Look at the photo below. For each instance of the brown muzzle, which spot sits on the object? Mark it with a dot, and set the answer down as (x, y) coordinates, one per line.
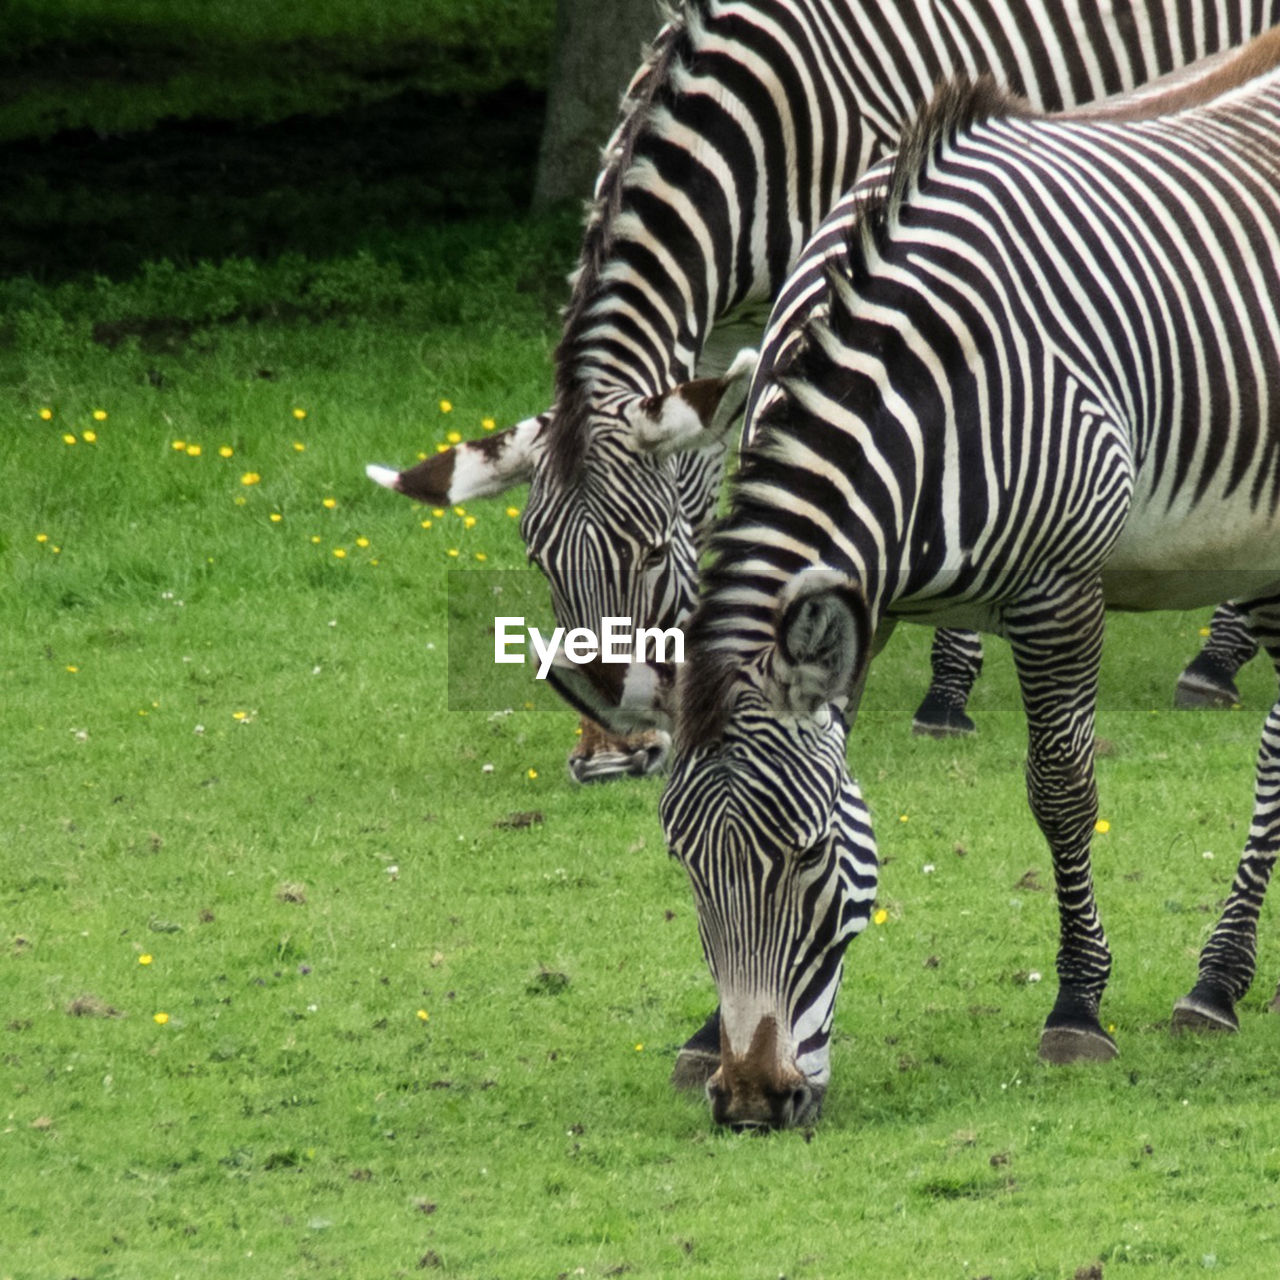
(756, 1090)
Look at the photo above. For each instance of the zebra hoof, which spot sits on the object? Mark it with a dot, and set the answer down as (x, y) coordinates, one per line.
(1199, 1012)
(936, 718)
(1198, 691)
(694, 1067)
(1060, 1046)
(1274, 1006)
(699, 1057)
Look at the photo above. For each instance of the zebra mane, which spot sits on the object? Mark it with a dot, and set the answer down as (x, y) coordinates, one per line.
(957, 104)
(566, 445)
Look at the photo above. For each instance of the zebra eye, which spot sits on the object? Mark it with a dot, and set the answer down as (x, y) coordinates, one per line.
(808, 858)
(652, 556)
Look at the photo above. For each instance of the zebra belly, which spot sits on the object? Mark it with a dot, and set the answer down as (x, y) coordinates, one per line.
(1185, 558)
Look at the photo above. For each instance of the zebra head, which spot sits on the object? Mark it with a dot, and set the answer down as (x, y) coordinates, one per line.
(777, 841)
(621, 489)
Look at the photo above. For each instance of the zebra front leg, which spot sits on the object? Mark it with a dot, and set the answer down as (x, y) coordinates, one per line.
(1057, 645)
(1229, 958)
(1209, 679)
(956, 661)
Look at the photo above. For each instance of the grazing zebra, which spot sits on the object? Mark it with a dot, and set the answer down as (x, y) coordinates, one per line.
(1036, 374)
(741, 130)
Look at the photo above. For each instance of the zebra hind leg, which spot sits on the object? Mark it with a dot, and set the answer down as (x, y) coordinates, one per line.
(1209, 680)
(1057, 645)
(1229, 959)
(956, 660)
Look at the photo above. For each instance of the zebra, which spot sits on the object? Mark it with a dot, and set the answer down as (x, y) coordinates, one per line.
(744, 125)
(1034, 373)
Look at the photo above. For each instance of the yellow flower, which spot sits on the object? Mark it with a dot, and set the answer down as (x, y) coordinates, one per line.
(469, 522)
(57, 551)
(453, 551)
(480, 555)
(1204, 631)
(443, 448)
(145, 959)
(533, 773)
(329, 503)
(299, 414)
(459, 512)
(241, 501)
(89, 437)
(362, 542)
(72, 669)
(160, 1018)
(423, 1015)
(881, 915)
(68, 439)
(99, 415)
(225, 451)
(46, 414)
(437, 512)
(1102, 826)
(426, 524)
(640, 1048)
(178, 446)
(454, 437)
(340, 553)
(194, 451)
(904, 817)
(513, 512)
(275, 517)
(446, 406)
(42, 537)
(250, 477)
(315, 539)
(488, 424)
(299, 447)
(239, 715)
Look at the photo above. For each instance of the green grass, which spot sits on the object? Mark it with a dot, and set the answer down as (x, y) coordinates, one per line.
(251, 777)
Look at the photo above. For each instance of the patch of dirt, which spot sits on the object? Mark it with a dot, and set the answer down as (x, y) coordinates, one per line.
(91, 1006)
(520, 820)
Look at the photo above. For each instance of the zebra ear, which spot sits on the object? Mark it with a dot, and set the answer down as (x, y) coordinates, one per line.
(697, 414)
(824, 641)
(476, 469)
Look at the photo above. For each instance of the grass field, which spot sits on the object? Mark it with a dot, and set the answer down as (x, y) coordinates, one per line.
(304, 974)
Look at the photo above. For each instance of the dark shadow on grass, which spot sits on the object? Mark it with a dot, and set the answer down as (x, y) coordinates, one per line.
(316, 184)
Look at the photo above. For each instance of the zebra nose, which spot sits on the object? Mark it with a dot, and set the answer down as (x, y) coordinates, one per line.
(780, 1105)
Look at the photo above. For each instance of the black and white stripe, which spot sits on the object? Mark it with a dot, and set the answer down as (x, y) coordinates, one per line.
(1030, 371)
(740, 132)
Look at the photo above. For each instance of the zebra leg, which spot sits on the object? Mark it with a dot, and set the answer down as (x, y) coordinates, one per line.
(1057, 645)
(956, 659)
(1229, 958)
(1209, 680)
